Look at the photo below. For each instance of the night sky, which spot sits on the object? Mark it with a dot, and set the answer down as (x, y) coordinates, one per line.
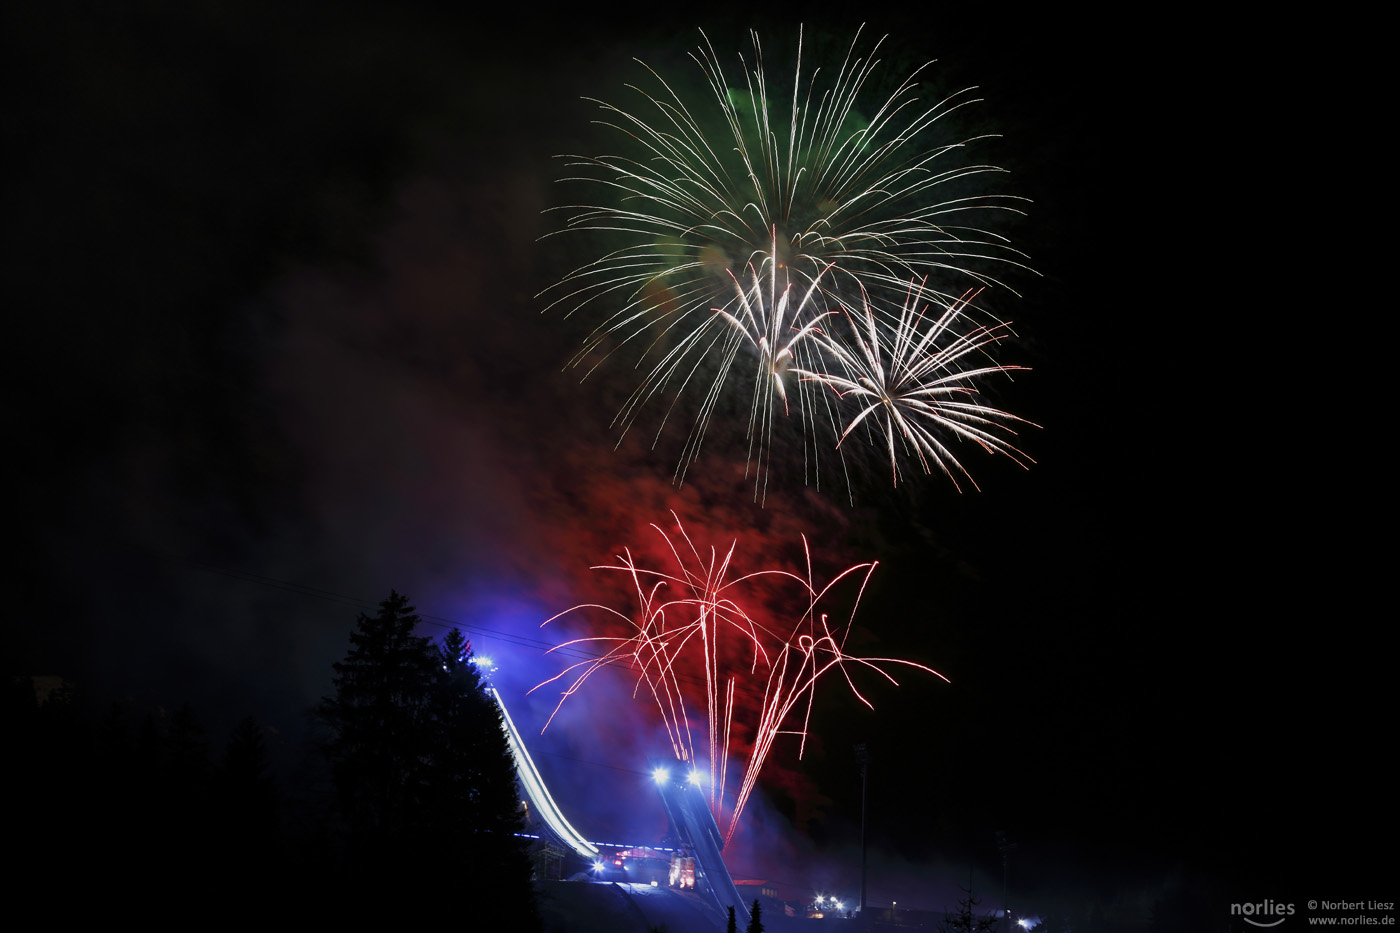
(275, 349)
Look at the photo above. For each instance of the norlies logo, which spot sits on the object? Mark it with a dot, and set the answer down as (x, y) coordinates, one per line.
(1263, 910)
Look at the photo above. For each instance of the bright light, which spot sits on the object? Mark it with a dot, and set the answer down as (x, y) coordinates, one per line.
(598, 866)
(694, 778)
(485, 663)
(660, 775)
(535, 789)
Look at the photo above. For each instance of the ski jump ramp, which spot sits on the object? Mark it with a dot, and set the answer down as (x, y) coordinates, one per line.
(539, 795)
(687, 811)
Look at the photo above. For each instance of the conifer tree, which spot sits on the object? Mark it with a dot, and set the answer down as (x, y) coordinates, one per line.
(377, 720)
(472, 782)
(423, 769)
(755, 919)
(965, 919)
(248, 798)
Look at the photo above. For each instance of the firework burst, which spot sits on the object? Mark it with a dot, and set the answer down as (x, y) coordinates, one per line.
(739, 220)
(915, 386)
(761, 673)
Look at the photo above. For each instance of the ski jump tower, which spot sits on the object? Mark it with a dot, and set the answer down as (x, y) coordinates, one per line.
(693, 826)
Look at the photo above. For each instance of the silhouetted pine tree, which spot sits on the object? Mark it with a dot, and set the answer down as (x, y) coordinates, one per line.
(733, 925)
(469, 782)
(179, 807)
(755, 919)
(378, 723)
(422, 769)
(247, 804)
(186, 754)
(471, 777)
(965, 919)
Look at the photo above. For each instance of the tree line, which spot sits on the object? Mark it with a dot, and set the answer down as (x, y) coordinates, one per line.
(409, 789)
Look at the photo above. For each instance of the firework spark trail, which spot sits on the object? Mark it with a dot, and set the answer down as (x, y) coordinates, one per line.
(841, 210)
(666, 633)
(772, 329)
(910, 377)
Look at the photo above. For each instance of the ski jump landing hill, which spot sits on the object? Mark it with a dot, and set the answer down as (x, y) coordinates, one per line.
(692, 824)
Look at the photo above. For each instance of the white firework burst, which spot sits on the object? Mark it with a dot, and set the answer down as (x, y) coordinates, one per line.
(913, 384)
